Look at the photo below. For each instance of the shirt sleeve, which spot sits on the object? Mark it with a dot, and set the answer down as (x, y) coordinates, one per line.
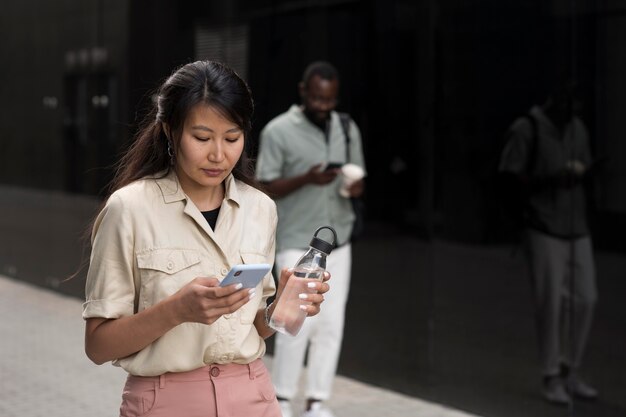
(110, 287)
(271, 157)
(517, 143)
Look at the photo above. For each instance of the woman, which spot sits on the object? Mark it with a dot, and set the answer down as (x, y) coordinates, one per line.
(182, 212)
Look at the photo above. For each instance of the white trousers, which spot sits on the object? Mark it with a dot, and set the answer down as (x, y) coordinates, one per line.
(564, 287)
(322, 334)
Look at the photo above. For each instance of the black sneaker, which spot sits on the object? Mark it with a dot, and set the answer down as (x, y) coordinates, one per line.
(580, 389)
(554, 391)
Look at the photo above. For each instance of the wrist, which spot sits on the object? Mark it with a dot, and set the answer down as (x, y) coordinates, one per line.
(171, 310)
(267, 314)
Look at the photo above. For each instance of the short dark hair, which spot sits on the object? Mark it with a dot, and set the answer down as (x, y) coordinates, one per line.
(323, 69)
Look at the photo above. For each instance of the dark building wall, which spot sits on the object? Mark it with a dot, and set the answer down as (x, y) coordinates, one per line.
(408, 124)
(161, 39)
(429, 117)
(56, 55)
(64, 86)
(283, 42)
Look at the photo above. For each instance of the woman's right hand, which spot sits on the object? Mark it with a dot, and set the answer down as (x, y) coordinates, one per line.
(204, 301)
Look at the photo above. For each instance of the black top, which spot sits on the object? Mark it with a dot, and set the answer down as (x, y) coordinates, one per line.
(211, 216)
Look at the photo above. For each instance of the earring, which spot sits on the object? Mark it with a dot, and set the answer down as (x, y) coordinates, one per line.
(170, 152)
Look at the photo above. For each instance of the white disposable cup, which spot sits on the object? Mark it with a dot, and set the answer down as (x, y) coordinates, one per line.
(350, 173)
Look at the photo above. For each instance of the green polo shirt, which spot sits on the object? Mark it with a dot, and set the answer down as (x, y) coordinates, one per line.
(290, 146)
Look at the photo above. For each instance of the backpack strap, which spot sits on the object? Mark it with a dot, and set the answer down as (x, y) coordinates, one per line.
(344, 118)
(533, 152)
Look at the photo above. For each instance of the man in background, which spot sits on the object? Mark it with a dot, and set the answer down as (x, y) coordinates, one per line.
(548, 153)
(299, 160)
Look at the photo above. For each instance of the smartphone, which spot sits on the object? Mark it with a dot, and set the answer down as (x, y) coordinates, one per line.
(247, 274)
(333, 165)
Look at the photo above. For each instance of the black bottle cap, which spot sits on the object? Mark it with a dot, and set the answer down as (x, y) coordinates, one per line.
(321, 244)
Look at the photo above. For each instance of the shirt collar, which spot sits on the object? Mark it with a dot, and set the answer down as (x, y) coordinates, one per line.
(172, 191)
(231, 192)
(170, 187)
(295, 112)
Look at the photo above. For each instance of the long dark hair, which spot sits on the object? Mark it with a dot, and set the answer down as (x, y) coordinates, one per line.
(201, 82)
(206, 82)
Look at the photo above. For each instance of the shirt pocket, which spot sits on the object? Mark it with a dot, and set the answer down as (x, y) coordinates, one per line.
(249, 310)
(165, 271)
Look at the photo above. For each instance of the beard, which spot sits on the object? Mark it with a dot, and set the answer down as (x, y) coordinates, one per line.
(317, 118)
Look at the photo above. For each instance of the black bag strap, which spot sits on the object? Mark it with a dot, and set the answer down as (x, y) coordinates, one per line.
(532, 153)
(344, 118)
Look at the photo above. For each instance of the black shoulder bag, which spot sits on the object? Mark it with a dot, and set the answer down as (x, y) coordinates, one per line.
(357, 203)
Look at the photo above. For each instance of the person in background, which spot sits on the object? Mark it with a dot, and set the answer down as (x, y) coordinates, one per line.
(300, 154)
(548, 152)
(183, 210)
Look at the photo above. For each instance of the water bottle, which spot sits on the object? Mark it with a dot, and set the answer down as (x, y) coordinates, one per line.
(288, 317)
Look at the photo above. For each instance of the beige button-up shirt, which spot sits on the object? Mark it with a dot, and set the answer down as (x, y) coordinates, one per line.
(150, 240)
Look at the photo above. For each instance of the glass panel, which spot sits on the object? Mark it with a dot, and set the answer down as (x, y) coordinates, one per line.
(442, 304)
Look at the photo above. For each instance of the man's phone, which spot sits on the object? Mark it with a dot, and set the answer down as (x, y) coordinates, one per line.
(247, 274)
(333, 165)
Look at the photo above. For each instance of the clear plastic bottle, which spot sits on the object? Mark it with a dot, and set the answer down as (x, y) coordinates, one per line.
(288, 317)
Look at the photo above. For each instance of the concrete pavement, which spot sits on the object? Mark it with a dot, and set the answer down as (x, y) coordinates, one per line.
(45, 373)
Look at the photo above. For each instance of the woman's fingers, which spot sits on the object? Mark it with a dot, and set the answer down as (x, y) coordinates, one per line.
(311, 309)
(231, 296)
(320, 287)
(229, 304)
(204, 301)
(209, 287)
(314, 298)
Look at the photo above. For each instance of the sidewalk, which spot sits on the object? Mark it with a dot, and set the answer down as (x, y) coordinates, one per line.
(45, 373)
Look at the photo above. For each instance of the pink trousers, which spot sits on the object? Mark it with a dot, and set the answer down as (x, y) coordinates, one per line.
(212, 391)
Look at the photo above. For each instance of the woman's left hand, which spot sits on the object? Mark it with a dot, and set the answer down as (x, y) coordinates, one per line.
(316, 294)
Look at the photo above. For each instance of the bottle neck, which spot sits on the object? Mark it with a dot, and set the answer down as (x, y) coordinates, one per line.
(314, 250)
(313, 258)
